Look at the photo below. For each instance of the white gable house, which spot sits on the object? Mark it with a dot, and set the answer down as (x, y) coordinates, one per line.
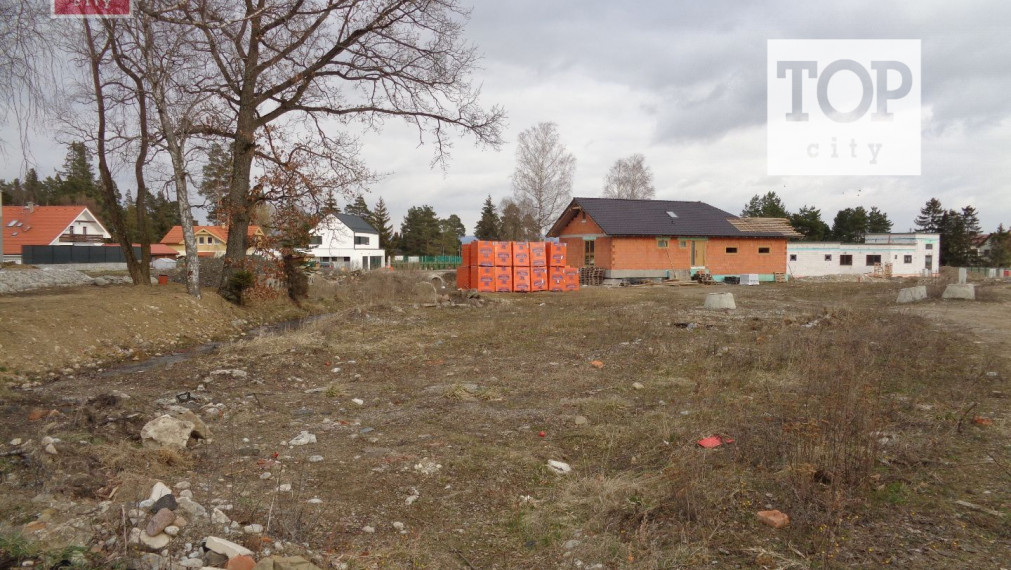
(346, 241)
(899, 255)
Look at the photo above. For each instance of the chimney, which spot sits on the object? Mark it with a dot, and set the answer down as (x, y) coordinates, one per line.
(30, 206)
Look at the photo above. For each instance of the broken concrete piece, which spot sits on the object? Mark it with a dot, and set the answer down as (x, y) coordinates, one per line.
(559, 467)
(155, 543)
(720, 301)
(965, 291)
(226, 547)
(158, 491)
(775, 519)
(912, 294)
(303, 438)
(166, 431)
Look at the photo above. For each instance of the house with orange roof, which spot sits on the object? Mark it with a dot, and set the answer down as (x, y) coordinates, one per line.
(211, 240)
(48, 225)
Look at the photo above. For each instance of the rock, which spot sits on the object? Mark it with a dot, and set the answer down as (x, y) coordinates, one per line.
(226, 547)
(912, 294)
(265, 475)
(235, 373)
(155, 543)
(215, 559)
(182, 485)
(172, 530)
(152, 561)
(315, 501)
(240, 563)
(47, 440)
(166, 432)
(581, 420)
(180, 522)
(192, 508)
(51, 449)
(720, 301)
(559, 467)
(368, 530)
(965, 291)
(158, 491)
(315, 458)
(159, 521)
(570, 544)
(165, 502)
(192, 563)
(218, 517)
(284, 487)
(637, 385)
(399, 526)
(16, 441)
(358, 401)
(303, 438)
(200, 429)
(424, 292)
(253, 529)
(774, 518)
(285, 563)
(427, 467)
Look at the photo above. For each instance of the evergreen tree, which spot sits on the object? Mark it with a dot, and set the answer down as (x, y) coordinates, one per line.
(971, 220)
(956, 241)
(850, 225)
(451, 230)
(1000, 249)
(489, 225)
(380, 220)
(878, 222)
(808, 222)
(217, 176)
(78, 182)
(929, 220)
(517, 224)
(768, 206)
(359, 208)
(420, 232)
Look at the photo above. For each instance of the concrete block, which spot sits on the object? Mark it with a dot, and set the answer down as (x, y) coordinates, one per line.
(720, 301)
(960, 291)
(775, 519)
(963, 275)
(912, 294)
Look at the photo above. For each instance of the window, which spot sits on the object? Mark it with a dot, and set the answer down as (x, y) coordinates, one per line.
(929, 246)
(793, 257)
(588, 256)
(872, 259)
(828, 257)
(671, 214)
(845, 260)
(84, 230)
(315, 240)
(200, 239)
(683, 244)
(763, 250)
(731, 250)
(662, 243)
(361, 240)
(907, 259)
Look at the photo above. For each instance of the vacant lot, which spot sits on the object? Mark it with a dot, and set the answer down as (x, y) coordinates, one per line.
(863, 421)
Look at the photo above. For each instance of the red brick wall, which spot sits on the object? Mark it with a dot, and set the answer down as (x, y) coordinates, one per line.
(572, 236)
(747, 259)
(644, 253)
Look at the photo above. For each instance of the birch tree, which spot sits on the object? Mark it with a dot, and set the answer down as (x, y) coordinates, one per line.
(630, 178)
(542, 180)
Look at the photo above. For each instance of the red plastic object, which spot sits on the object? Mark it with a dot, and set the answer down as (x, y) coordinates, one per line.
(714, 441)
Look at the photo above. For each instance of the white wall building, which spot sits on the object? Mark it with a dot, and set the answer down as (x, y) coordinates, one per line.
(909, 255)
(346, 241)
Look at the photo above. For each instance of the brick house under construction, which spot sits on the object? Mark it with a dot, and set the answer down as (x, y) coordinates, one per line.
(658, 239)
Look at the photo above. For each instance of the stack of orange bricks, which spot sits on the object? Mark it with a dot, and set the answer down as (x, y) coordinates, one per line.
(516, 266)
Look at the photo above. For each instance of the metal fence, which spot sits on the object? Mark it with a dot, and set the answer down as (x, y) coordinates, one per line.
(66, 254)
(434, 262)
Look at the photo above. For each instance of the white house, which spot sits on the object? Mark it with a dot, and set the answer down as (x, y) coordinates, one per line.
(48, 225)
(901, 255)
(346, 241)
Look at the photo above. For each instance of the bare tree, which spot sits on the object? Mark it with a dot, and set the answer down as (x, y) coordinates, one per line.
(316, 65)
(542, 181)
(630, 178)
(27, 78)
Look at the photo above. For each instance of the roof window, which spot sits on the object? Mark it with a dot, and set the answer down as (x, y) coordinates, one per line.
(671, 214)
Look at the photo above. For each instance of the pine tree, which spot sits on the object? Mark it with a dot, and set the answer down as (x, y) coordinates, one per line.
(808, 222)
(929, 220)
(420, 232)
(878, 222)
(850, 225)
(217, 176)
(451, 229)
(517, 223)
(380, 220)
(488, 227)
(768, 206)
(359, 208)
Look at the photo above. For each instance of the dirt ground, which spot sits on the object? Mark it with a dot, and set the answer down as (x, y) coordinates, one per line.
(862, 420)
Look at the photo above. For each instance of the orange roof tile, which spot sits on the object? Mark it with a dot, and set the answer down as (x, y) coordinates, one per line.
(175, 235)
(39, 226)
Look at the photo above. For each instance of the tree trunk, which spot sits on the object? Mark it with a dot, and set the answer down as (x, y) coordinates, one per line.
(138, 167)
(118, 221)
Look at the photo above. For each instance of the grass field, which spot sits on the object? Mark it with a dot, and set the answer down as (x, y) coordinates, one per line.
(863, 421)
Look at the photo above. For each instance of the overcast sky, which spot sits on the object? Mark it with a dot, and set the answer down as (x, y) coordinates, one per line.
(684, 83)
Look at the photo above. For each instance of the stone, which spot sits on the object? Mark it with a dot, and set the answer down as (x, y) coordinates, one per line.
(240, 563)
(192, 508)
(253, 529)
(303, 438)
(192, 563)
(581, 420)
(180, 522)
(559, 467)
(265, 475)
(424, 292)
(774, 518)
(315, 458)
(399, 526)
(158, 491)
(215, 559)
(315, 501)
(570, 544)
(166, 432)
(912, 294)
(182, 485)
(218, 517)
(226, 547)
(720, 301)
(368, 530)
(172, 530)
(358, 401)
(16, 441)
(200, 429)
(152, 561)
(966, 291)
(159, 521)
(284, 487)
(155, 543)
(285, 563)
(165, 502)
(51, 449)
(638, 385)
